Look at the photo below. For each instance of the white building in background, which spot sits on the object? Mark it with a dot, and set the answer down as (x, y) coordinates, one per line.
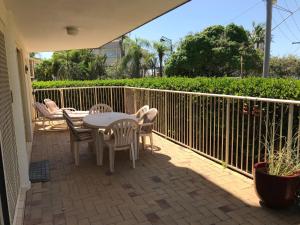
(112, 51)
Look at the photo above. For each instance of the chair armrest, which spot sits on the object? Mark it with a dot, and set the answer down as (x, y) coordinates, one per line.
(71, 109)
(146, 126)
(83, 130)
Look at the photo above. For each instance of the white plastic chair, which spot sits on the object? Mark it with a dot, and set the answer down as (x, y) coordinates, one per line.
(146, 126)
(141, 111)
(100, 108)
(120, 135)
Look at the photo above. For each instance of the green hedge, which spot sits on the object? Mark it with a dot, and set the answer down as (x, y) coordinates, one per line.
(252, 86)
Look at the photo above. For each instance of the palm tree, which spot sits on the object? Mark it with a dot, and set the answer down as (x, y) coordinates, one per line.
(257, 35)
(149, 61)
(134, 53)
(161, 50)
(97, 67)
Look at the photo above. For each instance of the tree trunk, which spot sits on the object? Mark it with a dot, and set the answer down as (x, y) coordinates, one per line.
(160, 67)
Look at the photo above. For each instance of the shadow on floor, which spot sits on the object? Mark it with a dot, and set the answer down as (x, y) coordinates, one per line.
(163, 189)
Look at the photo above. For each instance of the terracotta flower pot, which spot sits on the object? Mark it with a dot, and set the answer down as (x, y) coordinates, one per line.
(275, 191)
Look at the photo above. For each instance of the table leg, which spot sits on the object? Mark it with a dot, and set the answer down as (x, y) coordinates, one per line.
(136, 145)
(98, 146)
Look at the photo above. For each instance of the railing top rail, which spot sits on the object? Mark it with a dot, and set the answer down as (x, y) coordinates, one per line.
(273, 100)
(258, 99)
(71, 88)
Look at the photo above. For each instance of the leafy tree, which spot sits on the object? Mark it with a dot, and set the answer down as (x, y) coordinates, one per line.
(287, 66)
(216, 51)
(257, 36)
(97, 68)
(161, 50)
(134, 53)
(43, 70)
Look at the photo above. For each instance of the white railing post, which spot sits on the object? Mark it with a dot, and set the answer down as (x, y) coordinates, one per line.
(134, 101)
(80, 100)
(96, 96)
(227, 131)
(62, 99)
(190, 121)
(124, 99)
(111, 98)
(290, 127)
(166, 116)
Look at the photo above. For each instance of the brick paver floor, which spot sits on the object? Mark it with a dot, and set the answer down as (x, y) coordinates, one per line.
(172, 186)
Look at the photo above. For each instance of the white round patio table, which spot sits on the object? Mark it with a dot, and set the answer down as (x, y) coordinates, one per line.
(101, 121)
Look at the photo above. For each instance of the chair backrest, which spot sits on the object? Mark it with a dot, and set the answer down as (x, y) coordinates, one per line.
(100, 108)
(51, 105)
(140, 113)
(42, 109)
(148, 118)
(123, 132)
(69, 122)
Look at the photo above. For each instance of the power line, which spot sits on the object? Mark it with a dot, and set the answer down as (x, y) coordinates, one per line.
(245, 11)
(282, 32)
(285, 22)
(285, 18)
(296, 24)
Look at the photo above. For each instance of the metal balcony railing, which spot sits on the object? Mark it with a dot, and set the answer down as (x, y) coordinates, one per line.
(232, 130)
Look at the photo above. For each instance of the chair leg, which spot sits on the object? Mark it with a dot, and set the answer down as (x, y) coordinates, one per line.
(132, 155)
(111, 158)
(136, 146)
(143, 142)
(76, 153)
(71, 143)
(43, 121)
(151, 142)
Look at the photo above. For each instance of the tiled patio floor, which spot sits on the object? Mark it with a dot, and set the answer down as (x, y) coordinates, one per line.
(172, 186)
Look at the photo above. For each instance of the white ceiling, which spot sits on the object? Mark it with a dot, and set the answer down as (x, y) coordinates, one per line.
(42, 22)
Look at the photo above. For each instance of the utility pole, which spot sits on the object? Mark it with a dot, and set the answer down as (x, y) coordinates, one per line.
(268, 36)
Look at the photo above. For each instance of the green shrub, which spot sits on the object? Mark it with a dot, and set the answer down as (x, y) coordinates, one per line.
(252, 86)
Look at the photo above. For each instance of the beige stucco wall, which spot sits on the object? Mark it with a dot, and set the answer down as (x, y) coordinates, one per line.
(13, 41)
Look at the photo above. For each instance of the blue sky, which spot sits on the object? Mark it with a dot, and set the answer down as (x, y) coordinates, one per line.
(198, 14)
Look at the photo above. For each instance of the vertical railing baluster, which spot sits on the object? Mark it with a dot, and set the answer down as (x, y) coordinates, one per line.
(227, 131)
(190, 120)
(165, 112)
(273, 128)
(248, 133)
(223, 120)
(281, 126)
(210, 125)
(253, 136)
(290, 127)
(232, 133)
(80, 99)
(62, 98)
(242, 141)
(267, 132)
(259, 132)
(218, 137)
(214, 132)
(237, 133)
(111, 99)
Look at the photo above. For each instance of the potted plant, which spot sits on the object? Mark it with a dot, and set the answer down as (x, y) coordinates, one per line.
(278, 179)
